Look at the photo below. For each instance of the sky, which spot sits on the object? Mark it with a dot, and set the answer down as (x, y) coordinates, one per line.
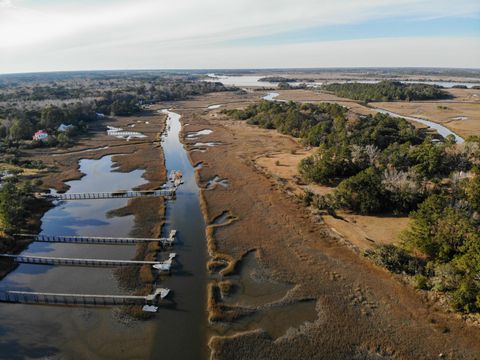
(59, 35)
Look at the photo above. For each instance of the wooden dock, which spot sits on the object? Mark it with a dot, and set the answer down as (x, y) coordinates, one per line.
(97, 240)
(168, 193)
(46, 260)
(28, 297)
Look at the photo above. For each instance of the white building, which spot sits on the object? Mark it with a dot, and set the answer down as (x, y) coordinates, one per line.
(63, 127)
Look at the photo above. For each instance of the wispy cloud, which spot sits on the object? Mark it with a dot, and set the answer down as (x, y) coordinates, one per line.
(44, 29)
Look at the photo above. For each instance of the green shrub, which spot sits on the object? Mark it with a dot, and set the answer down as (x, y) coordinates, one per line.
(466, 298)
(362, 193)
(307, 198)
(396, 259)
(421, 282)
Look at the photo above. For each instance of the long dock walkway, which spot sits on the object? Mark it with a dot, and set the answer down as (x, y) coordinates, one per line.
(109, 195)
(97, 239)
(46, 260)
(29, 297)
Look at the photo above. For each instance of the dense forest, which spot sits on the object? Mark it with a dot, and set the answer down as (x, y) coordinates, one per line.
(146, 89)
(307, 121)
(387, 91)
(28, 108)
(381, 164)
(16, 201)
(277, 79)
(20, 212)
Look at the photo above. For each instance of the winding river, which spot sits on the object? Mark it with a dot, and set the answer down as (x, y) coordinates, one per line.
(442, 130)
(254, 81)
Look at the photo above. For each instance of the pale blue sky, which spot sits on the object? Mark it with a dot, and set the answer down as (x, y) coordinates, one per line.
(381, 28)
(41, 35)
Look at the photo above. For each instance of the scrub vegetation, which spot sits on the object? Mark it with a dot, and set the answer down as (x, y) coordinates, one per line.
(20, 212)
(16, 201)
(383, 165)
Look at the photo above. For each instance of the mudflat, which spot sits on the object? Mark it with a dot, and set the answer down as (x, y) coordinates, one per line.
(143, 153)
(282, 278)
(127, 338)
(361, 311)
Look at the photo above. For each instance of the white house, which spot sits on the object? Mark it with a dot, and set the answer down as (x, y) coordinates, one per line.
(63, 127)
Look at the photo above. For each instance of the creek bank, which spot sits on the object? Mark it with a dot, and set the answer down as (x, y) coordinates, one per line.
(442, 130)
(19, 245)
(350, 292)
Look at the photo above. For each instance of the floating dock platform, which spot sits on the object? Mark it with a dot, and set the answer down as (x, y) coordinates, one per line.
(29, 297)
(167, 193)
(46, 260)
(97, 240)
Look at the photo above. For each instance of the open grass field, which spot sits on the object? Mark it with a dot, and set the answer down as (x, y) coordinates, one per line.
(460, 117)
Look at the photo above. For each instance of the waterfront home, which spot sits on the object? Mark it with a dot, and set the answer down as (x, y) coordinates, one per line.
(40, 135)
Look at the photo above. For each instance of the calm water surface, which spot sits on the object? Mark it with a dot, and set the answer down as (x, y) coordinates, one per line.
(177, 331)
(181, 330)
(249, 80)
(39, 330)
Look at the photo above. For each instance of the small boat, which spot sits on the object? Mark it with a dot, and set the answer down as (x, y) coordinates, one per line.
(150, 308)
(163, 266)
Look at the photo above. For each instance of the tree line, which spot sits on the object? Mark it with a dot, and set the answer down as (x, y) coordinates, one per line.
(382, 164)
(387, 91)
(21, 122)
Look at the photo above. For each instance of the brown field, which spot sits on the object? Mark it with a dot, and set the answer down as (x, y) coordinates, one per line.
(362, 231)
(466, 95)
(460, 114)
(362, 311)
(315, 96)
(462, 118)
(62, 164)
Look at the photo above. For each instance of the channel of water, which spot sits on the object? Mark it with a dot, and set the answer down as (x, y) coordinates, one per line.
(442, 130)
(177, 331)
(181, 330)
(254, 81)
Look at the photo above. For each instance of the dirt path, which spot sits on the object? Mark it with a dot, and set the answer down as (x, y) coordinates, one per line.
(362, 312)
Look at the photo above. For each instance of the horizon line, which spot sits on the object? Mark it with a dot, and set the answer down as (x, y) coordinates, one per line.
(244, 69)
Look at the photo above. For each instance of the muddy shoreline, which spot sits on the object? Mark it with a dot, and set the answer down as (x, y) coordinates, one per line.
(268, 256)
(362, 311)
(33, 227)
(64, 166)
(149, 214)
